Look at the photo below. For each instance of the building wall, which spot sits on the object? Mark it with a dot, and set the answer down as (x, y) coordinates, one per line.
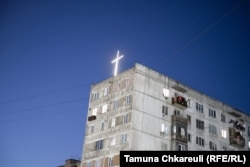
(137, 94)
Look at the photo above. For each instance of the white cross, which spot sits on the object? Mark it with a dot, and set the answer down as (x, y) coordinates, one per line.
(116, 61)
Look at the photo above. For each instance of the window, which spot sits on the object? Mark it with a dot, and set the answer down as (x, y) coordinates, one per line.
(164, 111)
(174, 129)
(212, 113)
(110, 162)
(115, 104)
(124, 138)
(199, 107)
(189, 119)
(189, 137)
(199, 124)
(128, 99)
(92, 129)
(127, 82)
(113, 122)
(181, 147)
(176, 112)
(165, 92)
(248, 130)
(112, 141)
(164, 147)
(102, 126)
(119, 86)
(94, 112)
(104, 108)
(200, 141)
(224, 133)
(212, 146)
(223, 118)
(89, 164)
(106, 91)
(164, 129)
(125, 118)
(97, 163)
(249, 144)
(95, 96)
(181, 131)
(99, 145)
(212, 129)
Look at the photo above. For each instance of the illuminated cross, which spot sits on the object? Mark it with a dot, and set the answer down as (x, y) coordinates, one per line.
(116, 61)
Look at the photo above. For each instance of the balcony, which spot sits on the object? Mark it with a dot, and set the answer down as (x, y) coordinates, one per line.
(91, 118)
(179, 137)
(238, 125)
(235, 138)
(180, 119)
(180, 102)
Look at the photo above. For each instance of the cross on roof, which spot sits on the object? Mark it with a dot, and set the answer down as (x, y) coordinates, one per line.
(116, 61)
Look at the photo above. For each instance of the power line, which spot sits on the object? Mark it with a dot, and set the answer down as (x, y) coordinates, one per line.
(45, 106)
(43, 94)
(197, 35)
(41, 107)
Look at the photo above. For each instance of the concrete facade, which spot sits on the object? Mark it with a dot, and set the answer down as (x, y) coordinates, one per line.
(141, 109)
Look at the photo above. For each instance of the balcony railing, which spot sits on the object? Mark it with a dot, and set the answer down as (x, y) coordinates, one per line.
(180, 119)
(179, 137)
(180, 101)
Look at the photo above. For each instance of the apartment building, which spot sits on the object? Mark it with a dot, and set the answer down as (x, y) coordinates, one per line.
(141, 109)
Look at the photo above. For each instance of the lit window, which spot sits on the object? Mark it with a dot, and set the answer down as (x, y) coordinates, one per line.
(104, 108)
(112, 142)
(113, 122)
(164, 129)
(94, 112)
(165, 92)
(224, 133)
(106, 91)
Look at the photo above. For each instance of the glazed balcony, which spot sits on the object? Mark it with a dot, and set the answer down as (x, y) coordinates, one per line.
(235, 138)
(180, 102)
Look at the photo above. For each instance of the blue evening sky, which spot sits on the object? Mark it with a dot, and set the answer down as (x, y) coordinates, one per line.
(51, 51)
